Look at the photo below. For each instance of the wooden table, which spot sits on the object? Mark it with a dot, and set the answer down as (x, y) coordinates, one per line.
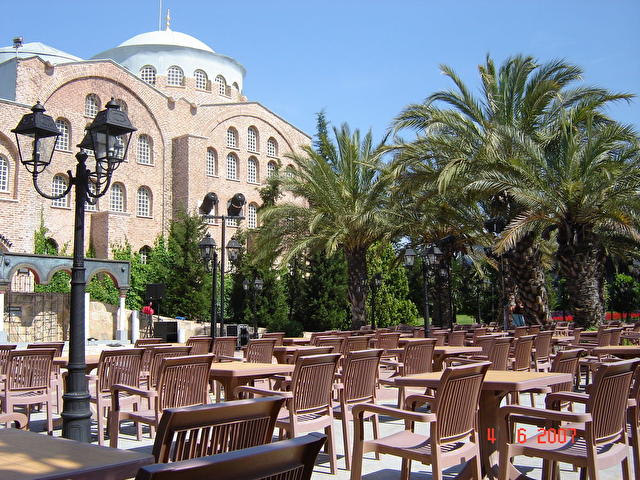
(440, 352)
(234, 374)
(496, 386)
(296, 341)
(623, 351)
(33, 456)
(92, 362)
(281, 352)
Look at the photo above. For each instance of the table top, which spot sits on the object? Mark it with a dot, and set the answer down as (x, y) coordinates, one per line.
(33, 456)
(497, 380)
(291, 348)
(246, 369)
(90, 360)
(618, 350)
(296, 341)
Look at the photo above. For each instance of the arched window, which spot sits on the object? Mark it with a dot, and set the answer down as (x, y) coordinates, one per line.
(235, 86)
(145, 156)
(202, 81)
(117, 198)
(252, 139)
(59, 185)
(88, 206)
(144, 254)
(252, 216)
(211, 163)
(144, 202)
(91, 105)
(222, 85)
(272, 147)
(63, 142)
(175, 76)
(148, 74)
(4, 174)
(252, 170)
(232, 137)
(272, 168)
(232, 167)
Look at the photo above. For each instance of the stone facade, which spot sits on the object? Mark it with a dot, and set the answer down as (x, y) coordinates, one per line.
(182, 123)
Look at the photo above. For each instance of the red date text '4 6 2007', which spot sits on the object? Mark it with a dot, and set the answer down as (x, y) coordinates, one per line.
(544, 435)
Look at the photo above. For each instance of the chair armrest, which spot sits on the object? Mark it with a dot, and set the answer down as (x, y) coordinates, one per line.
(566, 397)
(414, 401)
(219, 358)
(542, 413)
(117, 388)
(361, 408)
(263, 392)
(466, 360)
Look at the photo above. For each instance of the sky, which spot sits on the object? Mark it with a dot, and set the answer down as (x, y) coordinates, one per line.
(361, 61)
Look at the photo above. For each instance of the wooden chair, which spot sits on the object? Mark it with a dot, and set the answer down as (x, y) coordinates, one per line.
(277, 335)
(199, 345)
(157, 354)
(477, 332)
(494, 350)
(520, 332)
(147, 355)
(57, 346)
(357, 385)
(258, 351)
(182, 381)
(440, 337)
(224, 346)
(4, 356)
(293, 358)
(57, 381)
(453, 421)
(308, 400)
(600, 439)
(115, 367)
(19, 420)
(522, 349)
(633, 418)
(141, 342)
(542, 351)
(387, 341)
(288, 460)
(198, 431)
(28, 381)
(335, 342)
(352, 344)
(456, 338)
(416, 357)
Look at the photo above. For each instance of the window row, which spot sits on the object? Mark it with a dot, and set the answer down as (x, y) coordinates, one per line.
(251, 217)
(175, 77)
(116, 197)
(233, 167)
(253, 144)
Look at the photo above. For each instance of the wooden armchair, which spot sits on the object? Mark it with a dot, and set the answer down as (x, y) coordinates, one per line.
(199, 345)
(197, 431)
(288, 460)
(258, 350)
(141, 342)
(4, 356)
(453, 437)
(277, 335)
(542, 351)
(600, 438)
(224, 347)
(352, 344)
(181, 381)
(57, 380)
(308, 400)
(456, 338)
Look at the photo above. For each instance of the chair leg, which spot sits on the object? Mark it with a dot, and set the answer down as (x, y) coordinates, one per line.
(626, 469)
(346, 441)
(376, 431)
(332, 449)
(406, 469)
(49, 417)
(356, 464)
(505, 462)
(114, 429)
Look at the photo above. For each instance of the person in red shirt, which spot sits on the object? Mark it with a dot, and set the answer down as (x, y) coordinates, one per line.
(148, 309)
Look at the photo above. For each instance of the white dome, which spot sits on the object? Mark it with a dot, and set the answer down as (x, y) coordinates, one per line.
(167, 37)
(37, 49)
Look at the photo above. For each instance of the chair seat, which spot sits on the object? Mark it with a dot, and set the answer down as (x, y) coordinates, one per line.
(417, 447)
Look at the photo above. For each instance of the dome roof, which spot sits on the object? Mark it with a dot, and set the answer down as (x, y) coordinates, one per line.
(167, 37)
(37, 49)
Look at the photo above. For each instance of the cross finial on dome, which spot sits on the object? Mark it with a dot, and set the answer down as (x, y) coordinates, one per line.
(168, 25)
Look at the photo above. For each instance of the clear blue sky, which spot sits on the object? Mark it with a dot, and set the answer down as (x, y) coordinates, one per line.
(362, 61)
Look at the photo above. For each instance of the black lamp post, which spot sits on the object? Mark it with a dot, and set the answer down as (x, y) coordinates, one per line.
(234, 210)
(209, 256)
(257, 287)
(430, 257)
(108, 138)
(376, 283)
(496, 225)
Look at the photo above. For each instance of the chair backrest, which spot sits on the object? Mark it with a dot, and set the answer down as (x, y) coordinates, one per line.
(316, 335)
(388, 341)
(30, 369)
(604, 337)
(566, 361)
(147, 355)
(183, 381)
(336, 342)
(418, 332)
(522, 352)
(534, 329)
(119, 366)
(225, 346)
(277, 335)
(485, 342)
(499, 353)
(312, 383)
(608, 401)
(576, 333)
(199, 345)
(286, 460)
(352, 344)
(456, 338)
(456, 401)
(159, 353)
(520, 331)
(197, 431)
(141, 342)
(542, 344)
(260, 350)
(417, 356)
(478, 332)
(4, 356)
(292, 359)
(616, 335)
(57, 346)
(439, 337)
(360, 375)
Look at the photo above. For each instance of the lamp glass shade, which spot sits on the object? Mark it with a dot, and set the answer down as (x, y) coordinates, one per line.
(207, 246)
(409, 257)
(233, 249)
(377, 280)
(36, 136)
(245, 284)
(258, 284)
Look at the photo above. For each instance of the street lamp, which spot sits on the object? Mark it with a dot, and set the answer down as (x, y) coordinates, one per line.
(108, 138)
(496, 225)
(209, 257)
(234, 210)
(257, 287)
(430, 257)
(376, 283)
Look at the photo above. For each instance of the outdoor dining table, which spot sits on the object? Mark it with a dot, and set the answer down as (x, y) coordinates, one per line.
(496, 386)
(622, 351)
(33, 456)
(281, 352)
(92, 361)
(296, 341)
(234, 374)
(440, 352)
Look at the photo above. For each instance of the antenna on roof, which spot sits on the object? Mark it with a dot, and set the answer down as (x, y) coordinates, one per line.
(17, 43)
(160, 17)
(168, 20)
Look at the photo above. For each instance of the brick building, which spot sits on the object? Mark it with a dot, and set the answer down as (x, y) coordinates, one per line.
(197, 133)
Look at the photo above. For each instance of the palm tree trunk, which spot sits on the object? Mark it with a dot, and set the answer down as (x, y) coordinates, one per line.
(580, 261)
(357, 271)
(526, 270)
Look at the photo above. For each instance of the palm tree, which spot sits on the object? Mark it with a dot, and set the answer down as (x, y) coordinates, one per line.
(346, 191)
(583, 183)
(522, 97)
